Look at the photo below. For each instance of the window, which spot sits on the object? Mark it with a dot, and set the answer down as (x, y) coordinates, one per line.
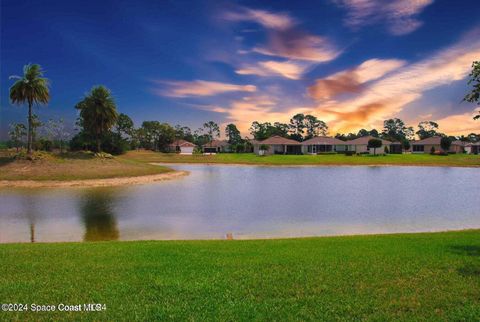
(418, 148)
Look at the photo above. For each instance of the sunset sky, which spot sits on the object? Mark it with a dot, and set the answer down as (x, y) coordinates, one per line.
(352, 63)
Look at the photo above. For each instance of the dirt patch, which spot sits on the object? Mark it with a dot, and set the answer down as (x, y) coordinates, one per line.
(109, 182)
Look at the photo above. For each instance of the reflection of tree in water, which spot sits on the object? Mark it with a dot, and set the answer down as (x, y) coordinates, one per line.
(30, 203)
(98, 215)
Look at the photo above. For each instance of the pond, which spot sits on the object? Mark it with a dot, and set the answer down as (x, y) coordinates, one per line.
(250, 202)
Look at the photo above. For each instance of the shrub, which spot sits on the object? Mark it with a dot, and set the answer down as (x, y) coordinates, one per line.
(386, 150)
(43, 145)
(432, 150)
(114, 144)
(81, 141)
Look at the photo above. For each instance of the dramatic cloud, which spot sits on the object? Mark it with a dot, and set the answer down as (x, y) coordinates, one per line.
(351, 81)
(199, 88)
(261, 108)
(400, 16)
(296, 44)
(285, 38)
(288, 69)
(389, 95)
(279, 21)
(460, 123)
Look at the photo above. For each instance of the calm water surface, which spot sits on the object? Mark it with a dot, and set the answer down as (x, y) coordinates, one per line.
(250, 202)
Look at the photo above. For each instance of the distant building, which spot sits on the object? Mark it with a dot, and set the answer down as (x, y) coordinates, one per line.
(182, 147)
(216, 146)
(360, 145)
(322, 144)
(426, 145)
(472, 148)
(278, 145)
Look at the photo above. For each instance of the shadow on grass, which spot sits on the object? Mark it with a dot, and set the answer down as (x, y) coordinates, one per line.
(471, 269)
(6, 160)
(79, 155)
(467, 250)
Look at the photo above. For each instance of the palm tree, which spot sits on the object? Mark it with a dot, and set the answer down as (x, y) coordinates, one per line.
(32, 88)
(98, 112)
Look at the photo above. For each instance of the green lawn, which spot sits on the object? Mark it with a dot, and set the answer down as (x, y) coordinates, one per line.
(328, 159)
(431, 276)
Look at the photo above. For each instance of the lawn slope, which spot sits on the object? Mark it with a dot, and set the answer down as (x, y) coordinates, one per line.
(72, 166)
(460, 160)
(431, 276)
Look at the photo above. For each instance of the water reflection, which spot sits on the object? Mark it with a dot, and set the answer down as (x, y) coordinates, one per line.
(98, 215)
(249, 202)
(30, 214)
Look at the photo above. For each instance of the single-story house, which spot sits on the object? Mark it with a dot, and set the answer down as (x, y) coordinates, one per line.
(320, 144)
(278, 145)
(182, 147)
(360, 145)
(426, 145)
(472, 148)
(216, 146)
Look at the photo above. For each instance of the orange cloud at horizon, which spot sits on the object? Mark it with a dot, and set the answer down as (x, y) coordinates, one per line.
(386, 97)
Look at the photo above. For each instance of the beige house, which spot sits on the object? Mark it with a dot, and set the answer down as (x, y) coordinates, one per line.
(216, 146)
(360, 145)
(473, 148)
(277, 145)
(426, 145)
(323, 144)
(182, 147)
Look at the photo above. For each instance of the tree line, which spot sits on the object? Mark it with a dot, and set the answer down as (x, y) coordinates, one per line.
(100, 127)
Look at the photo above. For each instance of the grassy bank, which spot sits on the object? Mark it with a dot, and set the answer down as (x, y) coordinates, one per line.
(72, 166)
(461, 160)
(433, 276)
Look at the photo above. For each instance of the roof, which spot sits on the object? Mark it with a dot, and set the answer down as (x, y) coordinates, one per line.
(278, 140)
(323, 140)
(182, 143)
(473, 144)
(216, 143)
(458, 142)
(364, 141)
(435, 140)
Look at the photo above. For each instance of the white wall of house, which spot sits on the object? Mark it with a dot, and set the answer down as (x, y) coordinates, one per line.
(380, 150)
(363, 148)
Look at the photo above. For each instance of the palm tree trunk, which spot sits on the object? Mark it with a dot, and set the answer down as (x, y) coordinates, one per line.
(32, 232)
(29, 135)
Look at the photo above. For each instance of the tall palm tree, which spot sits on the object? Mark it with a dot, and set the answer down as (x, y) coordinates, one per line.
(32, 88)
(98, 113)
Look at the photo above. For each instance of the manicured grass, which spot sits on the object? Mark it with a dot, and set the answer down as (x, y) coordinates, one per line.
(328, 159)
(72, 166)
(431, 276)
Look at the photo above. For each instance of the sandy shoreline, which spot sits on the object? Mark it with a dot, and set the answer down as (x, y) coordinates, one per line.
(108, 182)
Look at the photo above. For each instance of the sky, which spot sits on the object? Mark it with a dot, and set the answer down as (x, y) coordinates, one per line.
(351, 63)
